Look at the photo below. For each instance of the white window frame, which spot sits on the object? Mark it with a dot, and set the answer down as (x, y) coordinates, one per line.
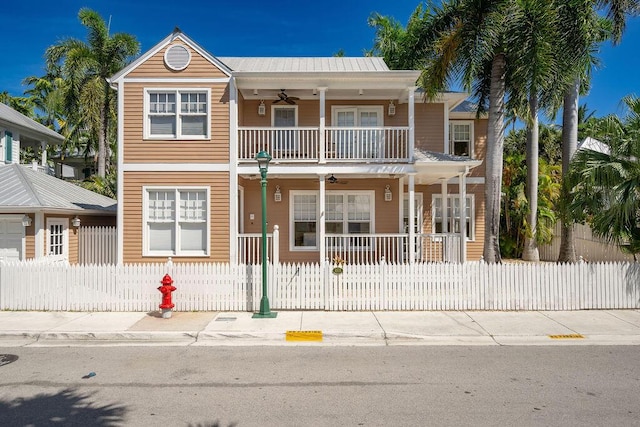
(292, 228)
(345, 220)
(419, 214)
(176, 252)
(64, 222)
(178, 136)
(469, 123)
(453, 220)
(358, 109)
(290, 134)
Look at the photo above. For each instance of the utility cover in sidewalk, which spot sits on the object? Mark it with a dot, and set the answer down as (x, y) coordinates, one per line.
(565, 337)
(304, 336)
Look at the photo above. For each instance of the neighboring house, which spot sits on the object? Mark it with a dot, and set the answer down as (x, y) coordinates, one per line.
(18, 131)
(40, 214)
(362, 166)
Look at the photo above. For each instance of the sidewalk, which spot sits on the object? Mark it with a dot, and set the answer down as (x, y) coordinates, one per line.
(44, 329)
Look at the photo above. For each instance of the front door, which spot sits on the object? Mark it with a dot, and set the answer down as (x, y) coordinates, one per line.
(58, 239)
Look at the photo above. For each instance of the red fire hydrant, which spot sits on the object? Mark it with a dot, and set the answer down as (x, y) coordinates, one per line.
(166, 289)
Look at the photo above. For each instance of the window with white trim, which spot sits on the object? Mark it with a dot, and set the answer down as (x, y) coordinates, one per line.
(417, 213)
(177, 114)
(461, 138)
(176, 221)
(304, 208)
(285, 117)
(348, 213)
(453, 214)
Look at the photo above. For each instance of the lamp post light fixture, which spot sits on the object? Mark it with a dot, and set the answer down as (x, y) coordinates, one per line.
(263, 159)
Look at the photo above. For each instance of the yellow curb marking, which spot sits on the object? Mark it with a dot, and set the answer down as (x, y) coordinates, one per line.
(304, 336)
(567, 336)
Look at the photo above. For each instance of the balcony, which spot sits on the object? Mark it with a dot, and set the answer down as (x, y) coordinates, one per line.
(338, 144)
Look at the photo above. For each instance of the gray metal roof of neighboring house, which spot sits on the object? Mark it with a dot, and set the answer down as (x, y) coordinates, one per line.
(432, 156)
(593, 144)
(22, 187)
(11, 116)
(466, 107)
(304, 64)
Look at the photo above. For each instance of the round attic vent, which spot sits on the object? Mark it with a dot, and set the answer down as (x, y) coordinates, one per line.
(177, 57)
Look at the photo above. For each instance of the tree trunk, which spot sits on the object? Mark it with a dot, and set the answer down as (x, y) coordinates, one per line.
(530, 251)
(102, 142)
(569, 147)
(495, 143)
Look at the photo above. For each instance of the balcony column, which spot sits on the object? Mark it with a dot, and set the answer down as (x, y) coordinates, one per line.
(43, 155)
(412, 128)
(322, 149)
(445, 206)
(322, 249)
(412, 219)
(463, 215)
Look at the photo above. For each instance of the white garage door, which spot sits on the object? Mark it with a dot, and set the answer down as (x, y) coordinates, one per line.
(11, 236)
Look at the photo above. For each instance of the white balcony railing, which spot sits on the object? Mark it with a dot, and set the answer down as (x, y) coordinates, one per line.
(303, 144)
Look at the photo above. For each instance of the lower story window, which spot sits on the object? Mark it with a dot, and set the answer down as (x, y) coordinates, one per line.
(177, 221)
(305, 214)
(453, 214)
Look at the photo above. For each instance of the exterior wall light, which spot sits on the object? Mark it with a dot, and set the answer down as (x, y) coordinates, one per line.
(392, 109)
(26, 220)
(277, 196)
(75, 222)
(262, 109)
(388, 195)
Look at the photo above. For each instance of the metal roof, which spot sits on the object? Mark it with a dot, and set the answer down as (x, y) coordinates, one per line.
(22, 187)
(304, 64)
(9, 116)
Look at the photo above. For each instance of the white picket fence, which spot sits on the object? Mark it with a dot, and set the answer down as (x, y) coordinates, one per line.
(97, 245)
(421, 286)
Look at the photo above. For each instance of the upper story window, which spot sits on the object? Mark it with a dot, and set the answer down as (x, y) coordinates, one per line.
(461, 138)
(177, 114)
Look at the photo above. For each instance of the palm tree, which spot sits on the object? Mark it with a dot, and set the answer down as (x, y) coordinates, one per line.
(86, 67)
(605, 187)
(20, 104)
(582, 35)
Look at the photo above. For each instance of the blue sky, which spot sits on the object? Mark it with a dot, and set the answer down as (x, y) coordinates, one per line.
(256, 28)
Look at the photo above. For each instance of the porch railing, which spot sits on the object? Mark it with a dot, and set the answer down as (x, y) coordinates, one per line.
(250, 247)
(302, 144)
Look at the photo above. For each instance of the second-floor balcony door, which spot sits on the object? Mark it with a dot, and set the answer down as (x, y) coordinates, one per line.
(365, 139)
(285, 140)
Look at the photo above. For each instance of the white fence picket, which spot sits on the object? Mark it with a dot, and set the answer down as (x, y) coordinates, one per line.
(225, 287)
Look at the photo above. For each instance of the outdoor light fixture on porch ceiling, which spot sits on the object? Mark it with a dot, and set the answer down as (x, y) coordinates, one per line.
(26, 220)
(388, 195)
(392, 109)
(262, 109)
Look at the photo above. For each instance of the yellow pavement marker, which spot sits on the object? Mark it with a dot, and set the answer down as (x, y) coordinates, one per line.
(566, 337)
(304, 336)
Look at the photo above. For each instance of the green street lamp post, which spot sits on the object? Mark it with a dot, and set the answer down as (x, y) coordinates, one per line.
(263, 159)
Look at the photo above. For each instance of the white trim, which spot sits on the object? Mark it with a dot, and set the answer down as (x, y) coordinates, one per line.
(372, 211)
(469, 123)
(450, 202)
(446, 128)
(418, 199)
(412, 122)
(175, 80)
(240, 196)
(178, 92)
(176, 252)
(469, 180)
(120, 172)
(171, 66)
(64, 222)
(175, 167)
(40, 235)
(283, 107)
(235, 206)
(292, 243)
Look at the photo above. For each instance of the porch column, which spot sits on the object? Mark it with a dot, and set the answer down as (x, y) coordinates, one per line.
(43, 148)
(400, 199)
(322, 148)
(412, 219)
(412, 129)
(445, 206)
(463, 216)
(233, 172)
(321, 229)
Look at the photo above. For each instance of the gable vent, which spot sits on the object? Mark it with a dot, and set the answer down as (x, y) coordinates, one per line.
(177, 57)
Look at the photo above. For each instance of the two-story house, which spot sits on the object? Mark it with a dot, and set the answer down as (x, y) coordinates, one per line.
(362, 166)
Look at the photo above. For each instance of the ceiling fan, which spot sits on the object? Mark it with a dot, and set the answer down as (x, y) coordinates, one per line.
(291, 100)
(333, 180)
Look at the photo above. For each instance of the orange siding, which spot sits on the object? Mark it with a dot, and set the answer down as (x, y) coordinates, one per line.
(198, 67)
(429, 126)
(30, 241)
(218, 182)
(138, 150)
